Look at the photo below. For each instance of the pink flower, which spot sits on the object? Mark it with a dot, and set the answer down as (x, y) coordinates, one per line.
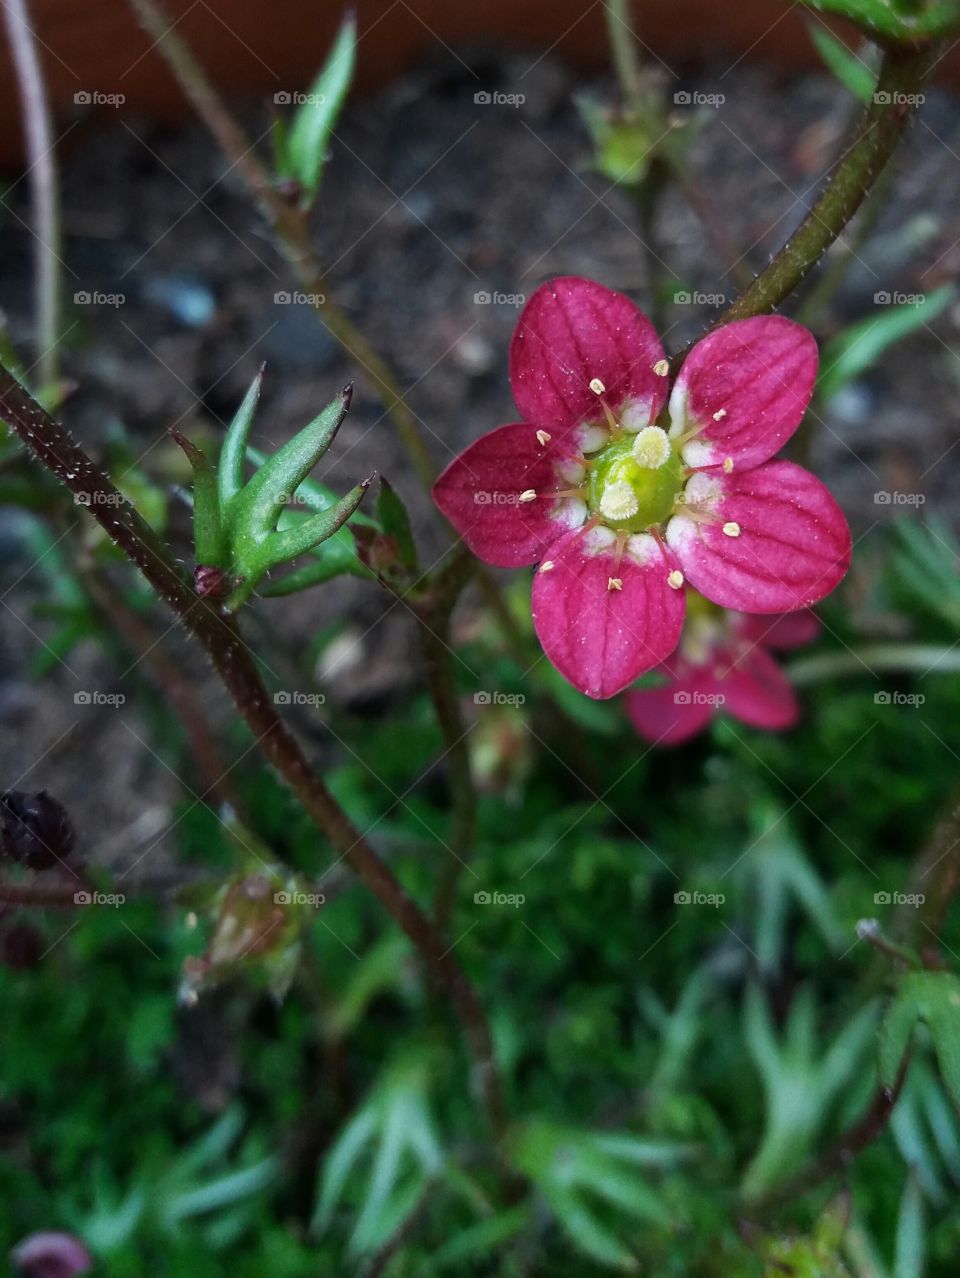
(622, 498)
(723, 664)
(51, 1255)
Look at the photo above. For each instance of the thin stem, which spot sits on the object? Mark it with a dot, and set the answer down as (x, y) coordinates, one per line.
(623, 49)
(220, 636)
(38, 135)
(289, 224)
(908, 658)
(865, 154)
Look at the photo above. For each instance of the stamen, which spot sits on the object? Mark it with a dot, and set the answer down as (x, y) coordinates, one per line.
(547, 565)
(651, 448)
(543, 438)
(675, 579)
(528, 495)
(720, 414)
(618, 501)
(727, 465)
(597, 386)
(662, 367)
(614, 583)
(731, 529)
(622, 539)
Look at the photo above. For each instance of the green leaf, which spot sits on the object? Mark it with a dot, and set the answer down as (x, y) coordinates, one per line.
(934, 999)
(897, 19)
(910, 1247)
(395, 522)
(850, 69)
(312, 493)
(209, 544)
(233, 452)
(481, 1239)
(860, 346)
(315, 118)
(335, 557)
(308, 533)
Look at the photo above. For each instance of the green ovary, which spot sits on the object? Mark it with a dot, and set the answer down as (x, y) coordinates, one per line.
(655, 490)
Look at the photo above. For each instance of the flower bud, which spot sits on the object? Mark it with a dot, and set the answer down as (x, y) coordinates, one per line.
(35, 829)
(51, 1255)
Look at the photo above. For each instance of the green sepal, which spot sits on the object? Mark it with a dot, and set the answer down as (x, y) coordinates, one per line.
(311, 493)
(335, 557)
(253, 513)
(233, 452)
(306, 534)
(905, 20)
(209, 542)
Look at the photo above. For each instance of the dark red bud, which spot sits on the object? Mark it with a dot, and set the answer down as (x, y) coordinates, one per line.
(210, 582)
(35, 829)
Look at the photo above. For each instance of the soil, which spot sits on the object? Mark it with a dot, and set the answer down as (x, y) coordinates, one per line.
(432, 203)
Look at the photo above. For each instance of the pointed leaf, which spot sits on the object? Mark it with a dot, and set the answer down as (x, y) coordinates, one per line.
(282, 546)
(395, 522)
(230, 469)
(335, 557)
(934, 998)
(317, 115)
(209, 545)
(852, 71)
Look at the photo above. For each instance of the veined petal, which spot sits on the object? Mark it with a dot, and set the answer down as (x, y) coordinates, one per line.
(746, 386)
(777, 541)
(676, 712)
(480, 493)
(573, 332)
(605, 619)
(757, 692)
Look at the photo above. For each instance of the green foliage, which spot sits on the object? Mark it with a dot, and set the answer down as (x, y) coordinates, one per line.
(906, 20)
(301, 147)
(853, 71)
(931, 999)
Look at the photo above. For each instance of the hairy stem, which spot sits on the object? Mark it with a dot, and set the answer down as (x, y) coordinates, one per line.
(289, 224)
(220, 636)
(38, 136)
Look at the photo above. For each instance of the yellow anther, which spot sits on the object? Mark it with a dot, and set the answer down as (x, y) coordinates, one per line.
(732, 529)
(543, 438)
(662, 367)
(597, 386)
(547, 565)
(528, 495)
(614, 583)
(675, 579)
(720, 414)
(727, 465)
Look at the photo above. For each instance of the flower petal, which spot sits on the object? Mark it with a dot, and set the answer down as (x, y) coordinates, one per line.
(479, 493)
(792, 630)
(757, 692)
(571, 332)
(669, 715)
(603, 622)
(758, 375)
(787, 542)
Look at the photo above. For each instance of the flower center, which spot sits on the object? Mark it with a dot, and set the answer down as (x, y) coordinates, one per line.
(635, 479)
